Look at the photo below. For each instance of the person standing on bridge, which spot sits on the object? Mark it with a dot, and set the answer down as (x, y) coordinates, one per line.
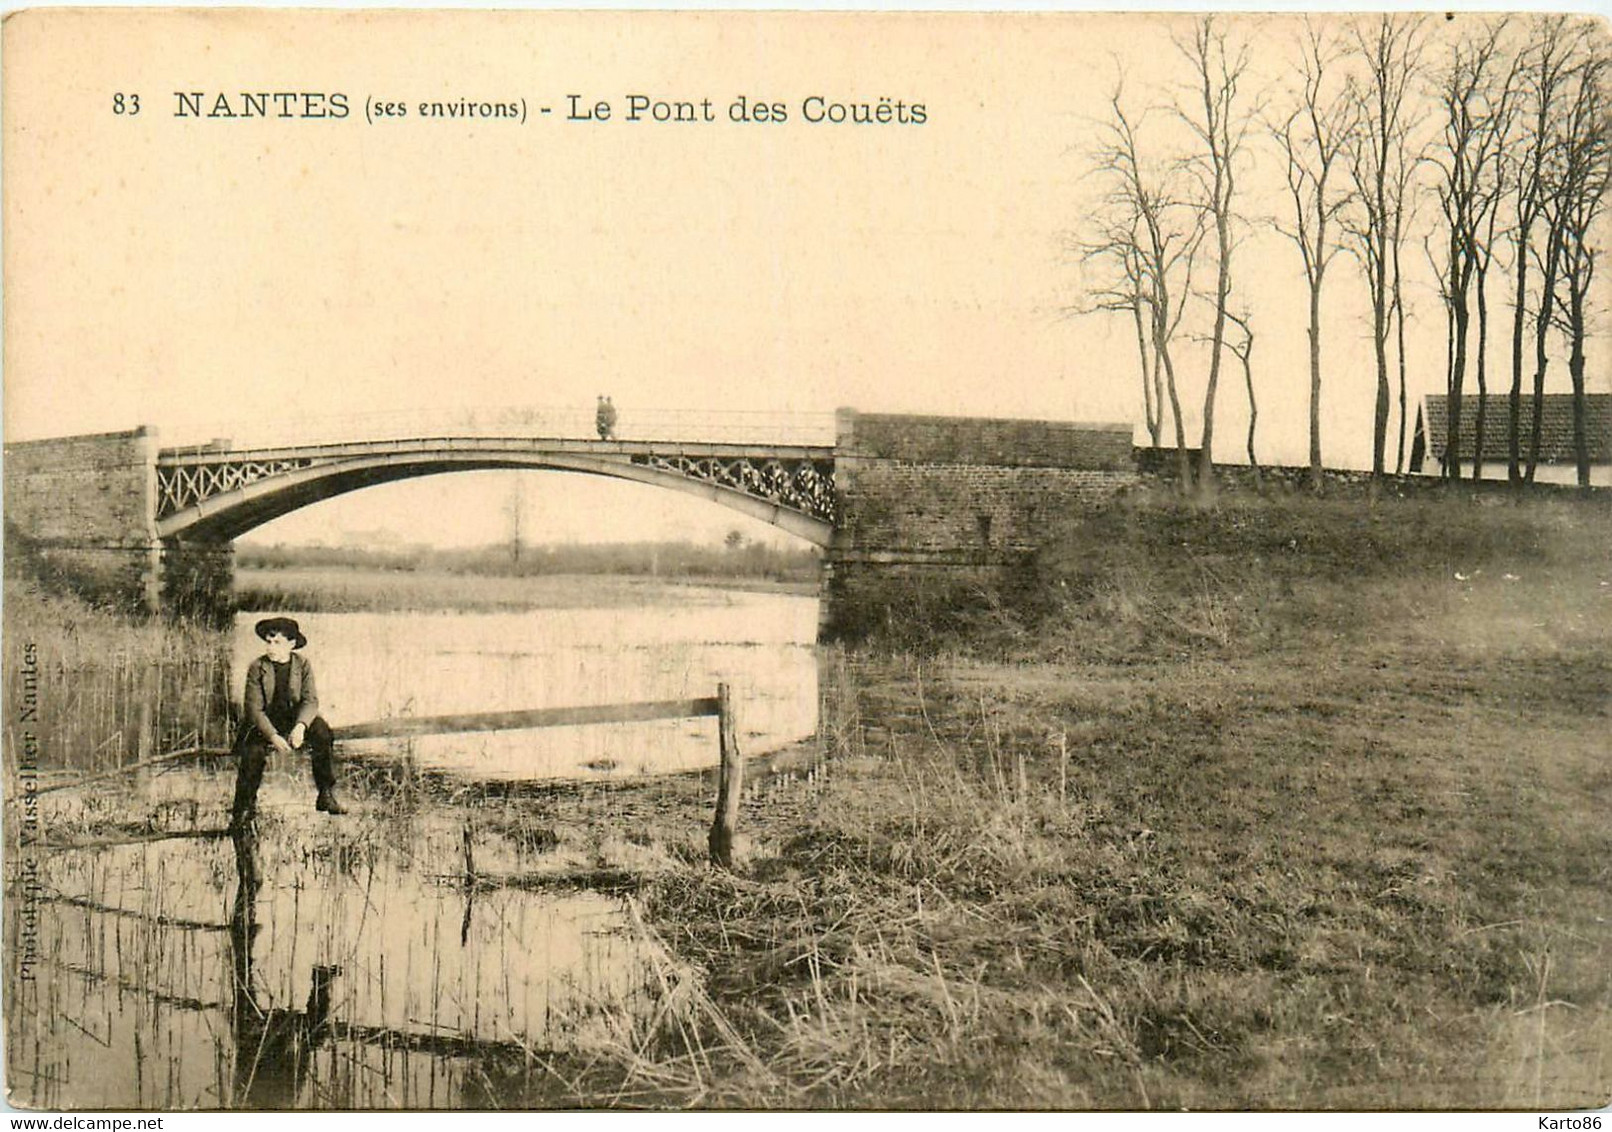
(605, 419)
(281, 714)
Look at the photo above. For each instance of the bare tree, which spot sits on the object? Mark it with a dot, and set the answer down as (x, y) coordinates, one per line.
(1117, 255)
(1404, 215)
(1242, 346)
(1221, 118)
(1546, 64)
(1472, 105)
(1313, 136)
(1496, 136)
(1153, 236)
(1381, 167)
(1141, 306)
(1585, 164)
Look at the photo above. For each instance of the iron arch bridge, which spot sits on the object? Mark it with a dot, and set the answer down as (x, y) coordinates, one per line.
(210, 493)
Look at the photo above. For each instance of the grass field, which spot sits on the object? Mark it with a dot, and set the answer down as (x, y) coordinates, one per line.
(1272, 806)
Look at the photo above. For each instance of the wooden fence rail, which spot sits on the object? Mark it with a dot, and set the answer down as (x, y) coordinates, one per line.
(534, 717)
(730, 780)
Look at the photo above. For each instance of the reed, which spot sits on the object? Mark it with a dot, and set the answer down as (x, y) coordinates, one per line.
(106, 689)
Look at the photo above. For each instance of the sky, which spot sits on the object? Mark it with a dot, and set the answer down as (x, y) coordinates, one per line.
(231, 277)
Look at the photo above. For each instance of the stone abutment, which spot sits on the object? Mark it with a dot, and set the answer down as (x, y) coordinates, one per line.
(83, 510)
(932, 508)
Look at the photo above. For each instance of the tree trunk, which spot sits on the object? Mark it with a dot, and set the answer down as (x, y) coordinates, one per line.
(1463, 323)
(1449, 379)
(1182, 464)
(1149, 408)
(1206, 456)
(1315, 386)
(1398, 311)
(1379, 311)
(1158, 394)
(1461, 319)
(1519, 315)
(1483, 385)
(1575, 369)
(1253, 418)
(1379, 340)
(1541, 357)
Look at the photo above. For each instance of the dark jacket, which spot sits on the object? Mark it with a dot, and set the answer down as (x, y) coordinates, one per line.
(260, 689)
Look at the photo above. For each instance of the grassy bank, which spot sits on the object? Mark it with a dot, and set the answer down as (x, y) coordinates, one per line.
(1292, 805)
(738, 561)
(348, 589)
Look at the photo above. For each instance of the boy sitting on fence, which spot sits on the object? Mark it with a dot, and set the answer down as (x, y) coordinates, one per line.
(281, 714)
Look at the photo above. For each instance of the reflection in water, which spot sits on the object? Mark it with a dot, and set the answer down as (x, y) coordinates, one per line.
(302, 966)
(273, 1047)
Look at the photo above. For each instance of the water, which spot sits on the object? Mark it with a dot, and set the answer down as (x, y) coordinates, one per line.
(182, 974)
(373, 666)
(351, 963)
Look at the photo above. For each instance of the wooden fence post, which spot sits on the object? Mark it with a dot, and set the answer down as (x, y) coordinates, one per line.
(730, 782)
(144, 738)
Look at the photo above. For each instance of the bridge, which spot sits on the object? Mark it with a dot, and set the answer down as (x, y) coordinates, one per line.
(895, 502)
(212, 493)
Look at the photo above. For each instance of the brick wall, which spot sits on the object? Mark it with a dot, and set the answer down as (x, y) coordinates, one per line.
(84, 508)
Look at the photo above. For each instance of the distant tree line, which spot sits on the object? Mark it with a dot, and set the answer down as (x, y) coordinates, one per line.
(1488, 142)
(736, 558)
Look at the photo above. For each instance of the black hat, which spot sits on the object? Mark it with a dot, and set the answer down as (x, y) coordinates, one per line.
(281, 625)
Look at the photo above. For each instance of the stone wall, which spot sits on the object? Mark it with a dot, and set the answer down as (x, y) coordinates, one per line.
(933, 509)
(985, 441)
(1159, 465)
(83, 508)
(963, 513)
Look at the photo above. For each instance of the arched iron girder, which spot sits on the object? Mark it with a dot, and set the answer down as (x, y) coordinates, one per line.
(794, 493)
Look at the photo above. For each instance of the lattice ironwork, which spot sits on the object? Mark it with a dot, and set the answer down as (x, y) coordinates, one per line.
(804, 484)
(184, 485)
(801, 484)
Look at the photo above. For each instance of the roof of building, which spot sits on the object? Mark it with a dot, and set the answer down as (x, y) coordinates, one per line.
(1556, 426)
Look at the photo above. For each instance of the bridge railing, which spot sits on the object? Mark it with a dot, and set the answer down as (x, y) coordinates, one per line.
(723, 426)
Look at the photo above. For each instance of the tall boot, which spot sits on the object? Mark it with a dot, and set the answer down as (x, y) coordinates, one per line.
(321, 751)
